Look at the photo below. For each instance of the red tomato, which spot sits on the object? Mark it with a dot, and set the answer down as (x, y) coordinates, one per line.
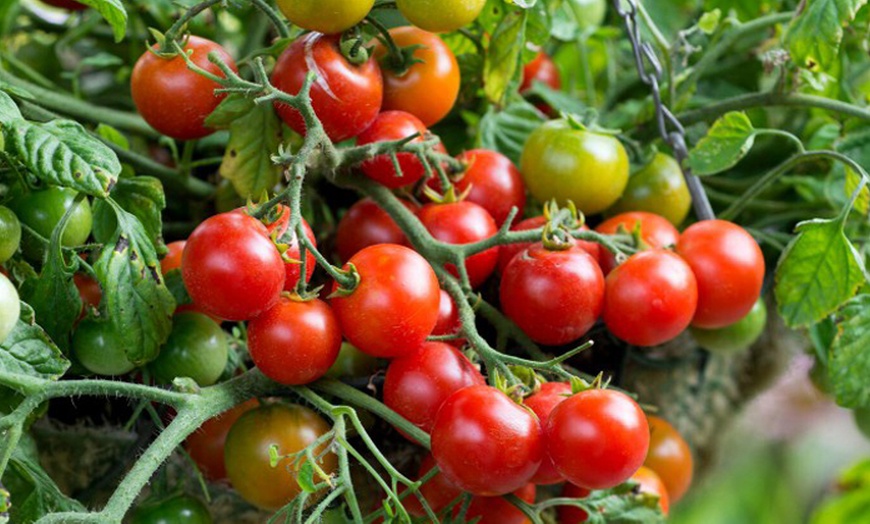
(463, 223)
(507, 252)
(388, 126)
(231, 268)
(173, 99)
(652, 484)
(417, 384)
(428, 89)
(294, 342)
(650, 298)
(206, 445)
(655, 231)
(572, 514)
(597, 438)
(293, 269)
(172, 260)
(438, 491)
(89, 290)
(670, 457)
(542, 69)
(555, 297)
(448, 319)
(542, 403)
(485, 443)
(729, 267)
(497, 510)
(345, 97)
(365, 224)
(395, 306)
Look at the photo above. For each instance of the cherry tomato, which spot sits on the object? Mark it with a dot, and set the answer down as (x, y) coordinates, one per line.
(43, 210)
(178, 509)
(463, 223)
(365, 224)
(497, 510)
(670, 457)
(486, 444)
(395, 305)
(206, 445)
(388, 126)
(597, 438)
(555, 297)
(542, 69)
(542, 403)
(71, 5)
(10, 307)
(650, 298)
(440, 16)
(98, 349)
(729, 267)
(650, 483)
(438, 491)
(293, 267)
(325, 16)
(231, 268)
(172, 260)
(428, 88)
(448, 320)
(295, 342)
(417, 384)
(507, 252)
(346, 97)
(738, 336)
(89, 291)
(196, 348)
(10, 234)
(567, 164)
(655, 231)
(352, 363)
(173, 99)
(572, 514)
(291, 428)
(658, 188)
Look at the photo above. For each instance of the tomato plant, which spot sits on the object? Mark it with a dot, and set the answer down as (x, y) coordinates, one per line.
(440, 16)
(497, 510)
(541, 69)
(572, 514)
(655, 232)
(542, 403)
(10, 234)
(737, 336)
(96, 348)
(448, 322)
(330, 17)
(658, 188)
(206, 445)
(42, 211)
(365, 224)
(394, 125)
(196, 348)
(10, 307)
(178, 509)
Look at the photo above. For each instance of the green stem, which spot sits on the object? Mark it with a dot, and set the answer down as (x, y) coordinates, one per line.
(771, 99)
(274, 17)
(189, 14)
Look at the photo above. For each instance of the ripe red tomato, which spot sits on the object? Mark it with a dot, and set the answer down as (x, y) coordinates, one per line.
(655, 231)
(463, 223)
(388, 126)
(542, 69)
(428, 89)
(555, 297)
(173, 99)
(448, 319)
(231, 268)
(597, 438)
(650, 298)
(417, 384)
(572, 514)
(670, 457)
(729, 267)
(438, 491)
(542, 403)
(293, 268)
(652, 484)
(508, 251)
(345, 97)
(172, 260)
(365, 224)
(294, 342)
(497, 510)
(206, 445)
(485, 443)
(395, 306)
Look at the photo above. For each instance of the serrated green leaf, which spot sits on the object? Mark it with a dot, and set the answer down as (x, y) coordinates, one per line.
(849, 357)
(231, 108)
(138, 305)
(622, 505)
(817, 273)
(728, 141)
(558, 100)
(502, 63)
(142, 196)
(63, 153)
(506, 131)
(114, 13)
(54, 298)
(28, 350)
(813, 37)
(247, 163)
(8, 109)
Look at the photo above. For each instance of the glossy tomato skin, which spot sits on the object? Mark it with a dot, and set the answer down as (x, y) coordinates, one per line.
(448, 322)
(572, 514)
(366, 224)
(507, 252)
(670, 457)
(325, 16)
(563, 163)
(729, 267)
(650, 483)
(655, 231)
(389, 126)
(440, 16)
(295, 342)
(43, 210)
(395, 306)
(650, 299)
(231, 268)
(10, 234)
(497, 510)
(246, 454)
(10, 307)
(463, 223)
(486, 444)
(206, 445)
(542, 403)
(659, 188)
(98, 349)
(555, 297)
(429, 88)
(173, 99)
(196, 348)
(417, 384)
(177, 509)
(345, 97)
(736, 337)
(597, 438)
(541, 69)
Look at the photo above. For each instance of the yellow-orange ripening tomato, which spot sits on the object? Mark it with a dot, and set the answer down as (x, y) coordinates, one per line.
(440, 16)
(670, 457)
(325, 16)
(659, 187)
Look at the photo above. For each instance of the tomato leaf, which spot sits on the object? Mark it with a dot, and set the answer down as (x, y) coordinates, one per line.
(232, 107)
(817, 273)
(506, 130)
(28, 350)
(857, 147)
(143, 197)
(728, 141)
(813, 37)
(848, 358)
(175, 285)
(622, 505)
(247, 163)
(502, 63)
(138, 304)
(305, 477)
(114, 13)
(8, 109)
(54, 297)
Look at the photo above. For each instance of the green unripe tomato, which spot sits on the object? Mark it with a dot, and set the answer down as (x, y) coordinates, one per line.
(736, 337)
(564, 163)
(325, 16)
(659, 187)
(352, 362)
(10, 307)
(10, 234)
(98, 349)
(588, 13)
(196, 348)
(440, 16)
(180, 509)
(43, 210)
